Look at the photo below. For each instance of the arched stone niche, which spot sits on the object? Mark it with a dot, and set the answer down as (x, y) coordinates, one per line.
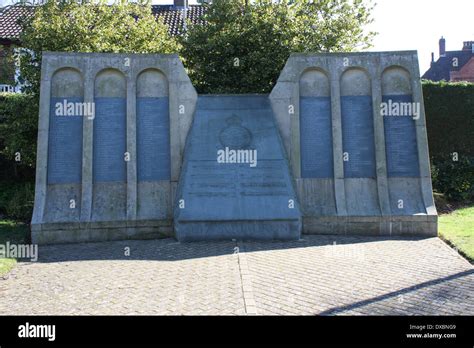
(315, 125)
(357, 119)
(109, 146)
(65, 127)
(357, 124)
(399, 113)
(401, 148)
(396, 81)
(153, 126)
(110, 126)
(355, 82)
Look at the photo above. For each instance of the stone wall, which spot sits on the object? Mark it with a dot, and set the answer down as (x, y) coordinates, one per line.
(374, 177)
(112, 175)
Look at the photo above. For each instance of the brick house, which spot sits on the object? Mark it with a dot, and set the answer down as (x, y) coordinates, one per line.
(452, 65)
(10, 31)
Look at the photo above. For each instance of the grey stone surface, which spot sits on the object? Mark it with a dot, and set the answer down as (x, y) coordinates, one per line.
(383, 73)
(154, 200)
(123, 205)
(322, 275)
(235, 200)
(118, 205)
(320, 199)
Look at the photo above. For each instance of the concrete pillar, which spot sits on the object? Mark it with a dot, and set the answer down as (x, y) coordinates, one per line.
(87, 148)
(379, 141)
(339, 190)
(131, 147)
(42, 147)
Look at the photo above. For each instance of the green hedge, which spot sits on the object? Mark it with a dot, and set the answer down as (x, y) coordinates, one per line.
(18, 134)
(7, 66)
(449, 111)
(16, 200)
(454, 179)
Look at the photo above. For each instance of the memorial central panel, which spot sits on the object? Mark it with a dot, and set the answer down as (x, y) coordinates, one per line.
(235, 171)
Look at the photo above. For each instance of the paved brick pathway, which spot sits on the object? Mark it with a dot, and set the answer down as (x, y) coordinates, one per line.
(328, 275)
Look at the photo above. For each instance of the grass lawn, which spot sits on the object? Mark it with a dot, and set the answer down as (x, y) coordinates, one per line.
(14, 232)
(457, 228)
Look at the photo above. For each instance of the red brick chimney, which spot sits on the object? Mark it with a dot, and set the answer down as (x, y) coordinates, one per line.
(442, 47)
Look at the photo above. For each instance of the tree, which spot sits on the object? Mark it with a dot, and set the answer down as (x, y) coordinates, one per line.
(90, 26)
(18, 129)
(244, 45)
(7, 66)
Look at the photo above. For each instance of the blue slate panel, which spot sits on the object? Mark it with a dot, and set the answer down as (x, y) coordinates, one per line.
(253, 128)
(400, 141)
(153, 139)
(316, 137)
(358, 136)
(65, 145)
(109, 140)
(233, 193)
(226, 192)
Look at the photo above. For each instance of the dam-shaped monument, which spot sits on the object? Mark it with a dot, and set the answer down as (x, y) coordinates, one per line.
(128, 149)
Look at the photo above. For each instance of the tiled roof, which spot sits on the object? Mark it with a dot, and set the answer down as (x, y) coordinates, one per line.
(172, 16)
(9, 27)
(440, 70)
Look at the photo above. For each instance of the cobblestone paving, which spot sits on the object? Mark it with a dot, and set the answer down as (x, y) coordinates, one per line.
(326, 275)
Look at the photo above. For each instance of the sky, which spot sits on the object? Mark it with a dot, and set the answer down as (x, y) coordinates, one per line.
(414, 25)
(419, 24)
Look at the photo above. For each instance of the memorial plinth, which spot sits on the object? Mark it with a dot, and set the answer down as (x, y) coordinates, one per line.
(235, 181)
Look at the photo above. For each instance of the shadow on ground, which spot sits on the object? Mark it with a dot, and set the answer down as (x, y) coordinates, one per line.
(171, 250)
(440, 291)
(411, 276)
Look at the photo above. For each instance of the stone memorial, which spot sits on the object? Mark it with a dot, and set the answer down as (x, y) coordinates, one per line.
(111, 175)
(235, 182)
(354, 130)
(127, 149)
